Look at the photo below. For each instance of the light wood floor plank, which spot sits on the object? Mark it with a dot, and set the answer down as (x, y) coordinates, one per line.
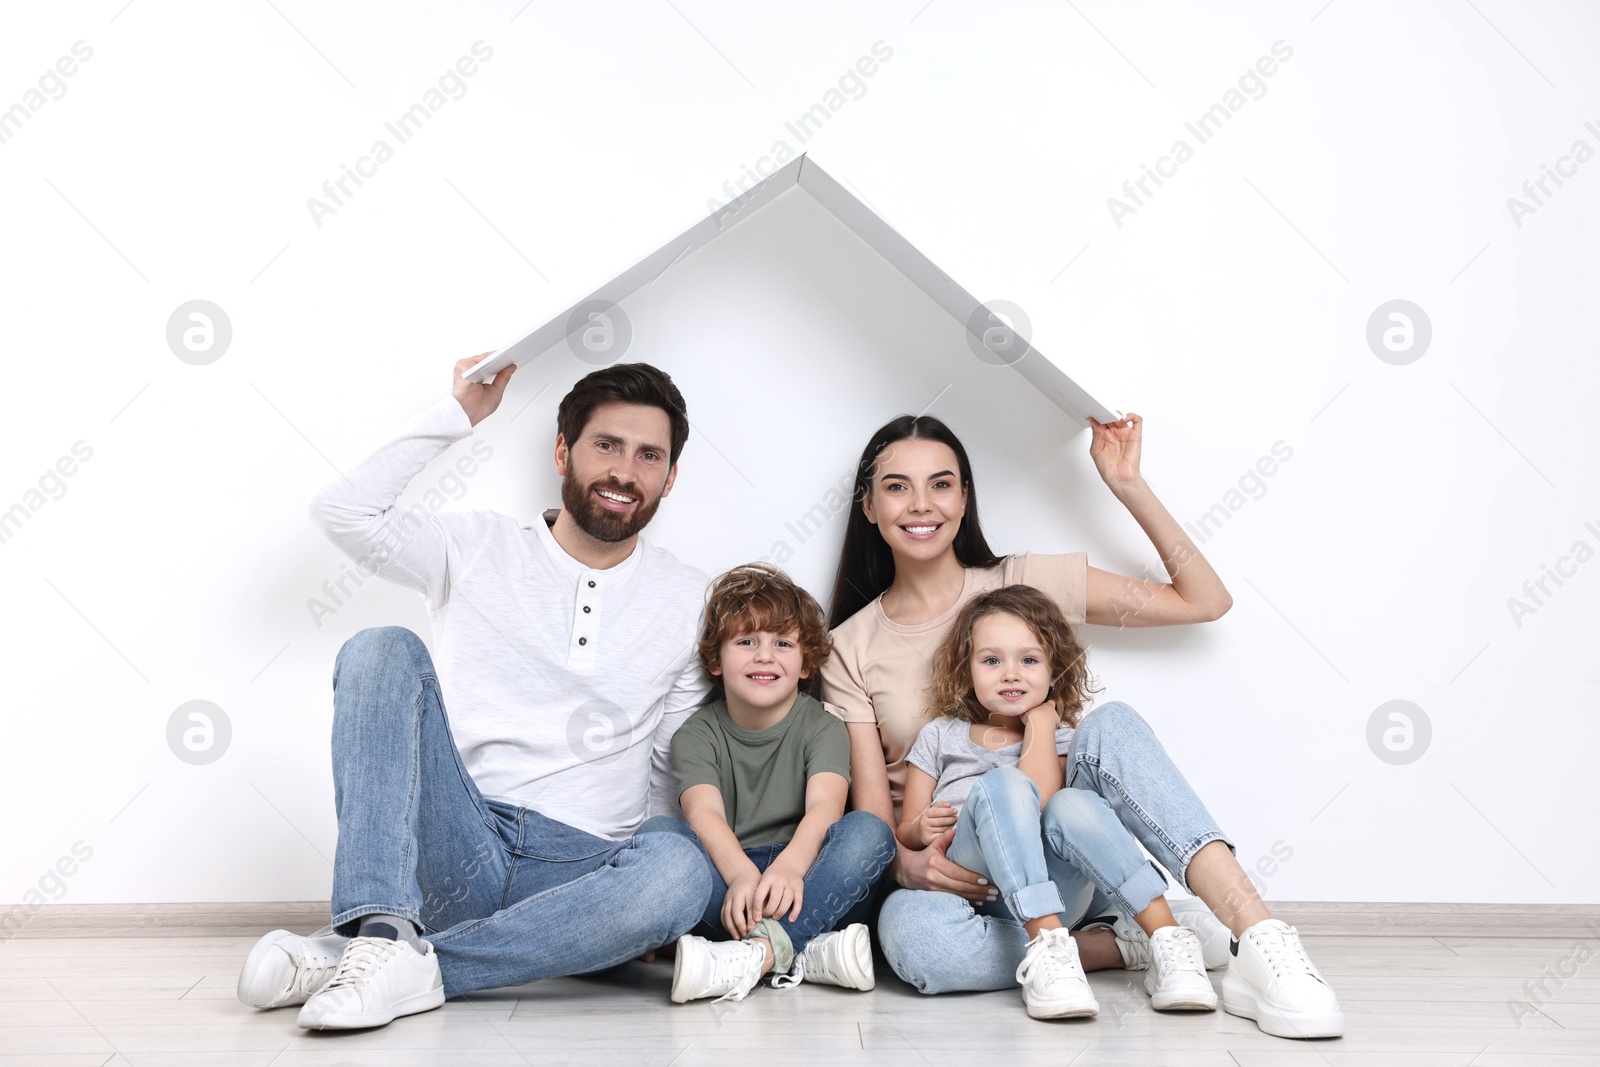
(1416, 1000)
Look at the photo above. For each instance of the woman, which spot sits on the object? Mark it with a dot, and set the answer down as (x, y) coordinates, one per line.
(913, 554)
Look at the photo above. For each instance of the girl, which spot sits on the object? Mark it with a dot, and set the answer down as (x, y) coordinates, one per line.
(1009, 683)
(913, 554)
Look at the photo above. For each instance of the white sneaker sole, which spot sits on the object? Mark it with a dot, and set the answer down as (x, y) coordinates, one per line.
(1181, 1000)
(1242, 999)
(679, 988)
(1064, 1010)
(411, 1005)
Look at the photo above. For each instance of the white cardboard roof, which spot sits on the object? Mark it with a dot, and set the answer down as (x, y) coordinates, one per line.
(804, 174)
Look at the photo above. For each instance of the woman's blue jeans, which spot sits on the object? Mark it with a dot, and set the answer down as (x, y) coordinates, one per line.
(505, 894)
(855, 852)
(940, 942)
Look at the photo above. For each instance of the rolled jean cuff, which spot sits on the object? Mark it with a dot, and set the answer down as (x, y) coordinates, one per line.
(782, 947)
(1189, 853)
(1143, 886)
(1035, 901)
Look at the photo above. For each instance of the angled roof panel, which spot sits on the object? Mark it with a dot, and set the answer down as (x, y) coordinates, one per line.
(804, 173)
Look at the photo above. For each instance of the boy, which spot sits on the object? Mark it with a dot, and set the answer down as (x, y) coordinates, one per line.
(763, 774)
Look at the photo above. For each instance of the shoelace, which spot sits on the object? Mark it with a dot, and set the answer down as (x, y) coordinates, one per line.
(740, 968)
(796, 975)
(362, 958)
(1284, 953)
(1178, 953)
(310, 980)
(1041, 954)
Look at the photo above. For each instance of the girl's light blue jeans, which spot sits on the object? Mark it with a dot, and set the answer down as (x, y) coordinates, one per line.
(1122, 788)
(506, 894)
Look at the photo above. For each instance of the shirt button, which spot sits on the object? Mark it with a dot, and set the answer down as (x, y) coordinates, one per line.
(586, 609)
(583, 640)
(591, 583)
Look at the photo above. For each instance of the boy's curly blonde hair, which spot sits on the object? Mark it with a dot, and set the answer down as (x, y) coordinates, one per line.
(758, 596)
(950, 692)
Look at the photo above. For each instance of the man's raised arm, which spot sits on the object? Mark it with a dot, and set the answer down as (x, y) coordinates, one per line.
(358, 513)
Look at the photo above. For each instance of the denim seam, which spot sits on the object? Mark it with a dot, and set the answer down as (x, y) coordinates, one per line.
(399, 911)
(1066, 848)
(1133, 805)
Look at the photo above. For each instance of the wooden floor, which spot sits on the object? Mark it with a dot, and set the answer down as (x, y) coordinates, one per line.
(1411, 1001)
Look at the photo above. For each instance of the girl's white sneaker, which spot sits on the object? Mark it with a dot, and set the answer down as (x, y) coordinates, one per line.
(1053, 983)
(1177, 980)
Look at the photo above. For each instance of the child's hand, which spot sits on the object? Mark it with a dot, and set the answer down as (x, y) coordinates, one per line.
(780, 890)
(935, 820)
(738, 907)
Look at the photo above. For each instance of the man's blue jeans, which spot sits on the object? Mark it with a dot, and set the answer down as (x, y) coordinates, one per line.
(855, 852)
(505, 894)
(939, 942)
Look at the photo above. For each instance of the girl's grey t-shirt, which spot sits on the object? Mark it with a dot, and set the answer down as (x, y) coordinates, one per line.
(945, 749)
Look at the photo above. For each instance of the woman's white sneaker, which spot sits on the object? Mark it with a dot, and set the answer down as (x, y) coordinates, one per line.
(1273, 981)
(285, 968)
(1053, 983)
(377, 981)
(841, 958)
(1177, 979)
(727, 970)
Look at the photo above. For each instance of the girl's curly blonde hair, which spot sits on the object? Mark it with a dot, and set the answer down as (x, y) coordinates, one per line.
(950, 692)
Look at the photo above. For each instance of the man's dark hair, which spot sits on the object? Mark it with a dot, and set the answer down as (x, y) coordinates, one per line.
(627, 383)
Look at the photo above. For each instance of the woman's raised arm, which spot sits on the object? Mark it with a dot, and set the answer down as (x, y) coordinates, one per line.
(1195, 593)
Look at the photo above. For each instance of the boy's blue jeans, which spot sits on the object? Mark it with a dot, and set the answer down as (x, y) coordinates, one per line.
(939, 942)
(506, 895)
(855, 852)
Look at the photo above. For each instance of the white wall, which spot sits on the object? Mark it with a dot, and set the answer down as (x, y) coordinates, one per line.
(1230, 311)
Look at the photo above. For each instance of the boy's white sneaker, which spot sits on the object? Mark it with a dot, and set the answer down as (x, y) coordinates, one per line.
(377, 981)
(1177, 979)
(285, 968)
(1273, 981)
(842, 958)
(1053, 983)
(727, 970)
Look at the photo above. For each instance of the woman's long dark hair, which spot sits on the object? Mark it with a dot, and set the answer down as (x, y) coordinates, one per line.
(866, 565)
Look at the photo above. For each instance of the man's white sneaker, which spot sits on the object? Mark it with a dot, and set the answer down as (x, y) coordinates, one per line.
(377, 981)
(1053, 983)
(1177, 979)
(842, 958)
(727, 970)
(285, 968)
(1272, 981)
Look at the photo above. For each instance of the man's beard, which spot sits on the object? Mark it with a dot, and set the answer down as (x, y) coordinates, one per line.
(594, 519)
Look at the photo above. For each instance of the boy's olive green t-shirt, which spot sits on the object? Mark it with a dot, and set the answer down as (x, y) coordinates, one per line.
(761, 774)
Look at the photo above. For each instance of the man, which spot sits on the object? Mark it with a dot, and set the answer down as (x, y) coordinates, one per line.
(566, 649)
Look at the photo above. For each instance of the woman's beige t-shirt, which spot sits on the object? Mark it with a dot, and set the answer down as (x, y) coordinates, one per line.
(880, 670)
